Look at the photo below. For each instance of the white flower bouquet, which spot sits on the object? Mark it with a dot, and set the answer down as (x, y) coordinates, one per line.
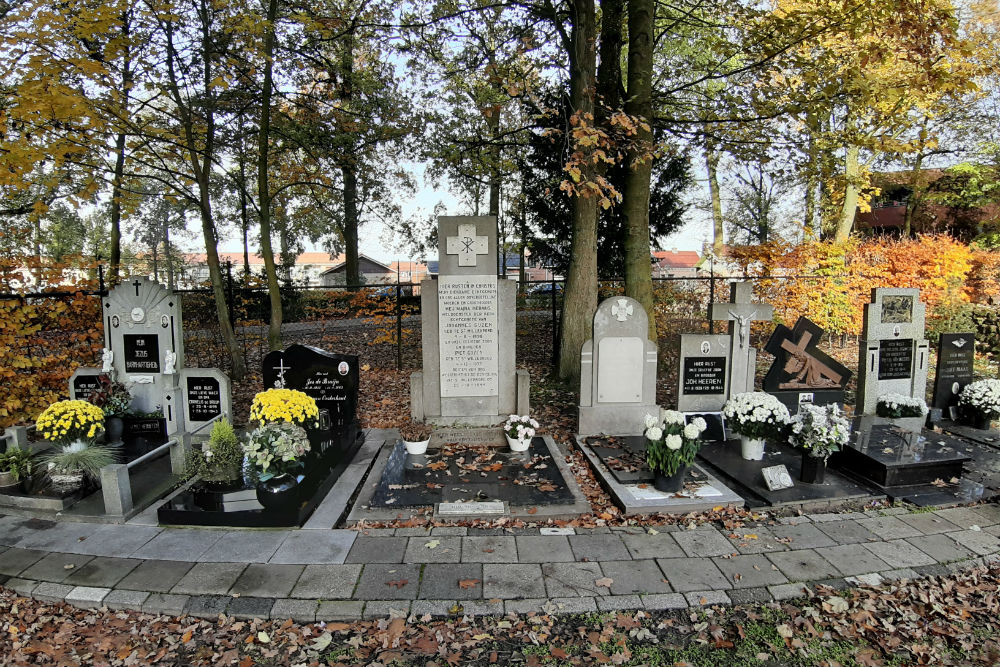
(981, 397)
(521, 428)
(756, 415)
(670, 443)
(820, 430)
(276, 448)
(897, 406)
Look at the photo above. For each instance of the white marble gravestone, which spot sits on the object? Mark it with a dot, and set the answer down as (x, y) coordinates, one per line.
(618, 371)
(469, 374)
(741, 312)
(703, 377)
(893, 353)
(144, 343)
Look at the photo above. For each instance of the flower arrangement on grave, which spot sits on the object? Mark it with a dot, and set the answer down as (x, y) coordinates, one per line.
(72, 427)
(16, 465)
(220, 458)
(276, 448)
(819, 431)
(756, 415)
(64, 422)
(519, 429)
(285, 405)
(112, 397)
(898, 406)
(416, 436)
(671, 446)
(982, 397)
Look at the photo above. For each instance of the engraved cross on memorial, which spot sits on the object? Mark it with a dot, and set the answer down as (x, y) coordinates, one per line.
(740, 312)
(467, 244)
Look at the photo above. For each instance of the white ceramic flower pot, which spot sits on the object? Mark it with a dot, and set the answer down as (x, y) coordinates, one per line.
(417, 447)
(752, 448)
(517, 445)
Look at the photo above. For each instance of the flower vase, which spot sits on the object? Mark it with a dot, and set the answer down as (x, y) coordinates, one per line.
(517, 445)
(672, 483)
(813, 469)
(416, 447)
(113, 429)
(279, 493)
(752, 448)
(977, 419)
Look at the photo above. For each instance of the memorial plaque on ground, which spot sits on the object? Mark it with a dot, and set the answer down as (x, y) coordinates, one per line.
(956, 356)
(703, 382)
(469, 375)
(332, 381)
(617, 371)
(471, 474)
(893, 352)
(801, 372)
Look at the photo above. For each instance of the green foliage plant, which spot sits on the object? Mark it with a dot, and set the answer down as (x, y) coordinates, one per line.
(78, 457)
(19, 462)
(220, 457)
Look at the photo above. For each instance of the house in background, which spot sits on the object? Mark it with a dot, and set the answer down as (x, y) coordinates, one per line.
(318, 269)
(372, 272)
(675, 263)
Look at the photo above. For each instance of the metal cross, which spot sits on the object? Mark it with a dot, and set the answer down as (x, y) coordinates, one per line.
(281, 368)
(467, 245)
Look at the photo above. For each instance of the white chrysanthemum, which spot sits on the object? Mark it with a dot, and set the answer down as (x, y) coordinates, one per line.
(691, 432)
(671, 417)
(650, 421)
(700, 423)
(654, 433)
(673, 441)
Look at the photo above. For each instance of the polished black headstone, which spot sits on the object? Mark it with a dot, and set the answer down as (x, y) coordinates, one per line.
(467, 473)
(956, 355)
(895, 359)
(85, 385)
(203, 396)
(715, 425)
(801, 372)
(704, 375)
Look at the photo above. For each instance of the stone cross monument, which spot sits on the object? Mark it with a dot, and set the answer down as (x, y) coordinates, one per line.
(469, 375)
(740, 312)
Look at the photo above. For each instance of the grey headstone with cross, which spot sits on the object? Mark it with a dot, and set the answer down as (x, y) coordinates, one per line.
(469, 374)
(893, 353)
(740, 312)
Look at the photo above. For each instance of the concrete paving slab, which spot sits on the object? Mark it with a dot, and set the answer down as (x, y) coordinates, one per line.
(387, 609)
(963, 517)
(706, 598)
(340, 610)
(512, 581)
(443, 581)
(594, 548)
(578, 605)
(941, 548)
(573, 579)
(525, 606)
(22, 586)
(327, 582)
(692, 574)
(157, 576)
(434, 550)
(889, 527)
(13, 561)
(900, 553)
(308, 547)
(635, 576)
(179, 544)
(87, 597)
(847, 532)
(300, 611)
(929, 523)
(131, 600)
(250, 608)
(754, 540)
(852, 559)
(803, 565)
(802, 535)
(114, 540)
(543, 549)
(619, 603)
(789, 591)
(50, 592)
(665, 601)
(750, 571)
(750, 595)
(381, 581)
(165, 603)
(64, 536)
(482, 607)
(494, 549)
(266, 580)
(102, 571)
(377, 550)
(55, 567)
(438, 608)
(245, 546)
(980, 542)
(207, 606)
(703, 543)
(209, 579)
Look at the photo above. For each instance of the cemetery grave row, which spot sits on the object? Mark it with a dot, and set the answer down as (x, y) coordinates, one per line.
(470, 383)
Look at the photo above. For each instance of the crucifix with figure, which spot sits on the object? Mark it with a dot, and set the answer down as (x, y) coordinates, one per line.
(740, 313)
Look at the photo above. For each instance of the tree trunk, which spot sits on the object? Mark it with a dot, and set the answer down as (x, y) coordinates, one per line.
(156, 265)
(811, 223)
(349, 170)
(169, 258)
(114, 270)
(712, 166)
(639, 105)
(847, 212)
(580, 299)
(244, 214)
(917, 186)
(493, 123)
(263, 185)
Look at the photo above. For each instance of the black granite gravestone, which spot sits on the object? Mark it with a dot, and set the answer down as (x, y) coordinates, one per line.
(203, 396)
(85, 385)
(895, 359)
(801, 372)
(956, 355)
(142, 353)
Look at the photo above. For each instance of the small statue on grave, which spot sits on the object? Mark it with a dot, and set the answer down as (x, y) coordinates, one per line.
(107, 360)
(170, 363)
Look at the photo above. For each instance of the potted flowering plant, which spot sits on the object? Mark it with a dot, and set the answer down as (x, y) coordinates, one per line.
(114, 399)
(906, 412)
(979, 403)
(220, 458)
(285, 405)
(671, 446)
(756, 416)
(16, 465)
(519, 430)
(275, 448)
(818, 431)
(72, 426)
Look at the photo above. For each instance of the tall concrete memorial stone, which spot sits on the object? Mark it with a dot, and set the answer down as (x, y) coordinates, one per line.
(469, 374)
(703, 381)
(618, 371)
(740, 312)
(893, 353)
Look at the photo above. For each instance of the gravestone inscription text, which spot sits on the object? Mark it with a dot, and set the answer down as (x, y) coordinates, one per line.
(204, 398)
(142, 353)
(895, 359)
(704, 375)
(469, 342)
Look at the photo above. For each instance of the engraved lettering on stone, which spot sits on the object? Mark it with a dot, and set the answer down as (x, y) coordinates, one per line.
(469, 340)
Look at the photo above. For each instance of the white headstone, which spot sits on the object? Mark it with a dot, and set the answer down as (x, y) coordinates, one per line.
(740, 313)
(893, 353)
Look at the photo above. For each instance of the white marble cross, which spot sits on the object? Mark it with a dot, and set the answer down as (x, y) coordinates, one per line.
(740, 312)
(467, 245)
(621, 310)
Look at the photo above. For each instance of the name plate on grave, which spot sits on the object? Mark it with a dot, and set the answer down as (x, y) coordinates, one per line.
(204, 398)
(704, 375)
(142, 353)
(487, 507)
(468, 336)
(85, 385)
(895, 359)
